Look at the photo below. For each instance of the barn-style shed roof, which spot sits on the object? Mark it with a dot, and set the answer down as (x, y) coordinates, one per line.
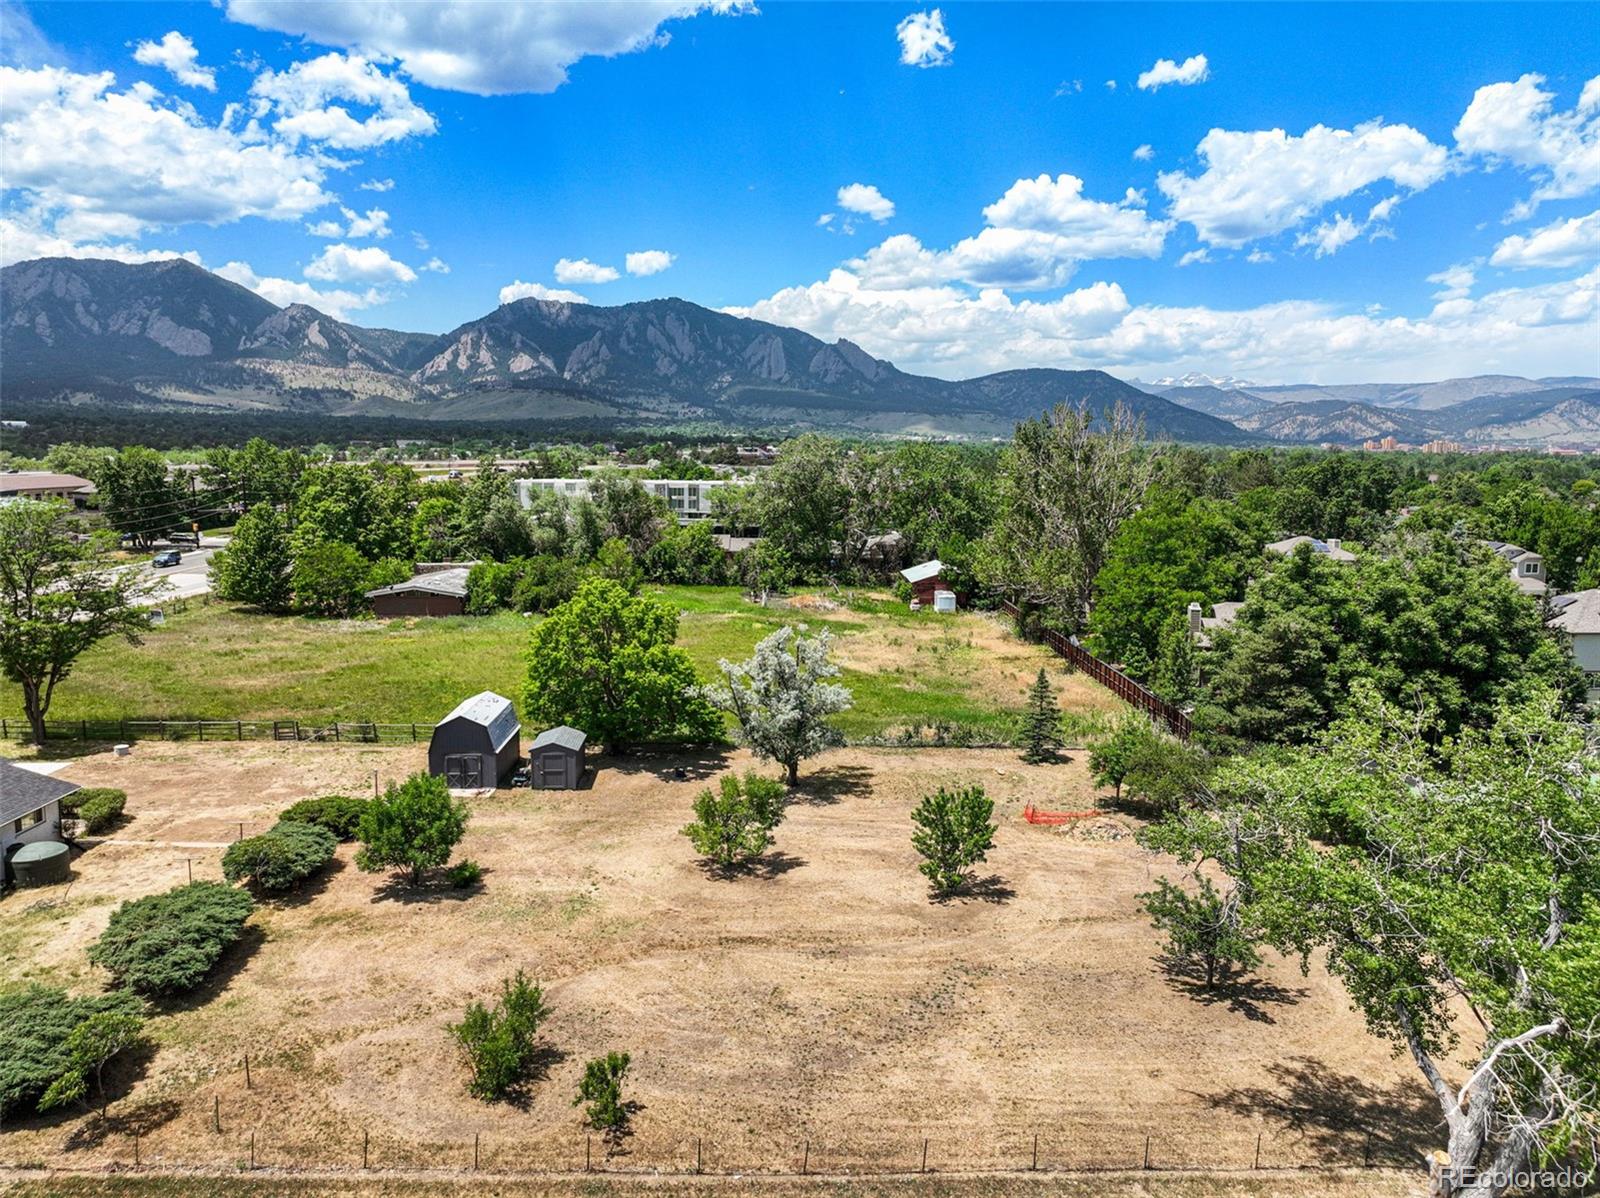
(24, 791)
(493, 711)
(564, 736)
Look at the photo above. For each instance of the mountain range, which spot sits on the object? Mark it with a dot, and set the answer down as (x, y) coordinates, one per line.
(170, 335)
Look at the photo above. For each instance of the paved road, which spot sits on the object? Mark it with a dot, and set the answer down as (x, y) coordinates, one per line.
(189, 578)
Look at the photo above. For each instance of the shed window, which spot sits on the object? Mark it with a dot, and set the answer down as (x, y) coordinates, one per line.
(32, 819)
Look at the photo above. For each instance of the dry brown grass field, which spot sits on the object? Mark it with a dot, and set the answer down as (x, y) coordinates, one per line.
(822, 999)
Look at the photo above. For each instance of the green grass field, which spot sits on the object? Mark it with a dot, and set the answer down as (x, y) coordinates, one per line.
(214, 661)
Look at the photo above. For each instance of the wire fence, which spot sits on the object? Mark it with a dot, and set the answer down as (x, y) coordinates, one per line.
(157, 728)
(237, 1133)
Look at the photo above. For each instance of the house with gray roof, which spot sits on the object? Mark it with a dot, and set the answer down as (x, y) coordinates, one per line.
(1578, 615)
(30, 806)
(1332, 549)
(441, 592)
(1527, 567)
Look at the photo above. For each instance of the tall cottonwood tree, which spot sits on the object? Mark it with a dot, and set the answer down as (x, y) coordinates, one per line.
(1436, 879)
(58, 598)
(782, 697)
(1068, 483)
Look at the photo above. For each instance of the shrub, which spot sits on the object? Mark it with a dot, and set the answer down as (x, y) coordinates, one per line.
(167, 943)
(98, 807)
(1163, 774)
(34, 1051)
(413, 827)
(463, 874)
(90, 1047)
(1203, 930)
(499, 1042)
(735, 825)
(601, 1089)
(280, 858)
(1113, 754)
(339, 814)
(953, 834)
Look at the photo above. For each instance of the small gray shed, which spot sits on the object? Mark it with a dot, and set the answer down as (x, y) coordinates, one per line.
(30, 810)
(555, 760)
(476, 744)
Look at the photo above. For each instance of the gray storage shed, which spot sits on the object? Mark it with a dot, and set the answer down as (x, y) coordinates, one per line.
(476, 744)
(555, 760)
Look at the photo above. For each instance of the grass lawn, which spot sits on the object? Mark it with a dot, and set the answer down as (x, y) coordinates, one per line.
(214, 661)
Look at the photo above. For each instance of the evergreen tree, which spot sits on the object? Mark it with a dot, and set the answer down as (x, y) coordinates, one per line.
(1175, 672)
(1041, 727)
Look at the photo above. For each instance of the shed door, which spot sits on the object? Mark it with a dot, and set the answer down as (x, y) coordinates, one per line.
(463, 771)
(552, 770)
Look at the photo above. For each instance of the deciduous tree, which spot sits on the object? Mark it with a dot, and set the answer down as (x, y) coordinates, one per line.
(953, 833)
(782, 698)
(255, 567)
(58, 598)
(413, 827)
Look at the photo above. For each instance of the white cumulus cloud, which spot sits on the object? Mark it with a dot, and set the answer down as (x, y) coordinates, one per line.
(91, 158)
(516, 290)
(1260, 183)
(176, 55)
(487, 49)
(648, 262)
(581, 270)
(924, 41)
(338, 302)
(1562, 244)
(340, 263)
(1185, 74)
(1517, 123)
(305, 102)
(867, 200)
(1144, 153)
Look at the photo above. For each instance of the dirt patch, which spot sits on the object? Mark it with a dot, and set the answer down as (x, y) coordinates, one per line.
(824, 1000)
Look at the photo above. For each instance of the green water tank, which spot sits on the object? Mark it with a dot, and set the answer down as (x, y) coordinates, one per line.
(41, 863)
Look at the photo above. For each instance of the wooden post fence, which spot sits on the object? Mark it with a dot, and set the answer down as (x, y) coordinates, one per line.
(1108, 676)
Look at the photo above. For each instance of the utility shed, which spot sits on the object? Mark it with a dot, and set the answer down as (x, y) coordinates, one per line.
(440, 593)
(925, 580)
(476, 744)
(30, 809)
(555, 759)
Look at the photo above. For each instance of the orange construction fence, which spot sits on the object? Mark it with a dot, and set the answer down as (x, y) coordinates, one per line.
(1034, 816)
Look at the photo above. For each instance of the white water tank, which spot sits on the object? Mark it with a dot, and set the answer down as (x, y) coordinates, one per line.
(944, 601)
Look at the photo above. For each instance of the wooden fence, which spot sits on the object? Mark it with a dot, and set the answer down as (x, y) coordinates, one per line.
(1110, 677)
(128, 730)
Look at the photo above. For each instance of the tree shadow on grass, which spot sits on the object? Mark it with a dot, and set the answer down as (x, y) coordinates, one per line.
(234, 958)
(772, 864)
(827, 787)
(1334, 1113)
(307, 890)
(693, 765)
(397, 888)
(535, 1069)
(991, 889)
(1245, 994)
(138, 1120)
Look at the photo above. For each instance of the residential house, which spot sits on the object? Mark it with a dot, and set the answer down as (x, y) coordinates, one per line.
(440, 591)
(30, 806)
(1527, 567)
(1330, 548)
(1578, 615)
(1201, 626)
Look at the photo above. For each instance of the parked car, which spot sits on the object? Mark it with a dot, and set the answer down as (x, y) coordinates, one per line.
(167, 557)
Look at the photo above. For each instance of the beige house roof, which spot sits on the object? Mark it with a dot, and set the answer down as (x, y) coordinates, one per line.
(1577, 613)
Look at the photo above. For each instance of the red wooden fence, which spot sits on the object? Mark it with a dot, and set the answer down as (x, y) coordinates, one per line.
(1111, 678)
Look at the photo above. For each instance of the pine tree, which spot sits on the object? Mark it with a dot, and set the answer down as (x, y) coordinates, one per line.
(1041, 726)
(1176, 668)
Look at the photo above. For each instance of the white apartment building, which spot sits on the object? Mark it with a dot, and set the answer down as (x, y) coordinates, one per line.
(689, 499)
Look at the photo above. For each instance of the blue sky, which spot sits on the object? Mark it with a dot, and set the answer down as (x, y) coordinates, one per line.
(1333, 192)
